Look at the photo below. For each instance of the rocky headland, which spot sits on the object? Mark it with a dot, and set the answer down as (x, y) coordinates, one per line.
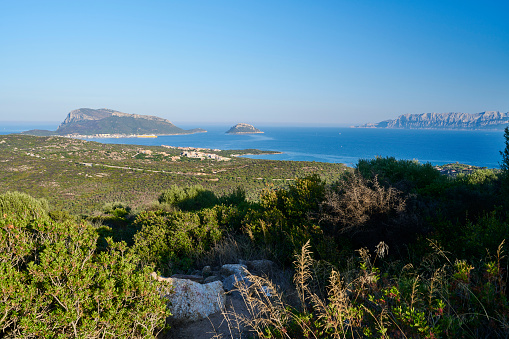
(483, 120)
(108, 123)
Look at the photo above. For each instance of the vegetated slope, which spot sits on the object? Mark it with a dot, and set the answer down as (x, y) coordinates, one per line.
(86, 121)
(243, 129)
(390, 249)
(483, 120)
(80, 176)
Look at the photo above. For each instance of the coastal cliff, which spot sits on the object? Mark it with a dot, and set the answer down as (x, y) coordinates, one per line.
(86, 121)
(483, 120)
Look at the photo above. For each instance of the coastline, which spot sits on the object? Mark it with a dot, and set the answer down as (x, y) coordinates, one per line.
(430, 128)
(118, 136)
(237, 133)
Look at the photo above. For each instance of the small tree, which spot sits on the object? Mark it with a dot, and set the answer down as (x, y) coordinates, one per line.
(504, 166)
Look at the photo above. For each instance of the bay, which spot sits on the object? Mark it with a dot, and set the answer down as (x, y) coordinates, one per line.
(348, 145)
(336, 144)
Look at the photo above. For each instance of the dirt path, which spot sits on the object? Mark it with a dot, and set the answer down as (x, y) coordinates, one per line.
(217, 325)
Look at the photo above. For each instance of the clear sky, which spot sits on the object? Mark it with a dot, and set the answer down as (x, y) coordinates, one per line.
(260, 62)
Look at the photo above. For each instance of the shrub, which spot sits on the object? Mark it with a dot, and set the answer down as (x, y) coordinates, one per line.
(189, 198)
(117, 209)
(22, 205)
(235, 197)
(368, 212)
(173, 241)
(405, 175)
(55, 284)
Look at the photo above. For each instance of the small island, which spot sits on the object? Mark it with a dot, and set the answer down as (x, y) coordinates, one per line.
(243, 129)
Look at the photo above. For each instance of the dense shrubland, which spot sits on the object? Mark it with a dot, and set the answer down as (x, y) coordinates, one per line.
(391, 249)
(54, 282)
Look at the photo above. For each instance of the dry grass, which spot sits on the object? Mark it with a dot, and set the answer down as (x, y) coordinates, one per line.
(417, 304)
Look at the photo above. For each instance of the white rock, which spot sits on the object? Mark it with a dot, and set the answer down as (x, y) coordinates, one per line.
(190, 301)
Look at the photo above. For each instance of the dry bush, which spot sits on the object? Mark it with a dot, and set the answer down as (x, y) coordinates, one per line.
(357, 200)
(369, 212)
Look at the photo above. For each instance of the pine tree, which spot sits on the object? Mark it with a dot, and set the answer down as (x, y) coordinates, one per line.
(504, 166)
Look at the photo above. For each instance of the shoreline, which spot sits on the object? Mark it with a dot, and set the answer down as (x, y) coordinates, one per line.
(121, 136)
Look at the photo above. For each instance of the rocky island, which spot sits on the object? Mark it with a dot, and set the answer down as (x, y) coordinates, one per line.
(243, 129)
(108, 123)
(483, 120)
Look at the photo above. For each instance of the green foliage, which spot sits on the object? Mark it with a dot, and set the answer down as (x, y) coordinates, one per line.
(172, 241)
(188, 198)
(117, 209)
(471, 239)
(81, 176)
(301, 199)
(504, 165)
(236, 197)
(453, 300)
(285, 218)
(22, 205)
(405, 175)
(55, 284)
(478, 177)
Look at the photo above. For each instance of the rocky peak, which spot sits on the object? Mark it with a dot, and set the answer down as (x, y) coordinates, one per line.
(243, 128)
(84, 114)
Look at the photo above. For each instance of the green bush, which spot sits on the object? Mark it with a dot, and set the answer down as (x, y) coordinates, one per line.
(189, 198)
(22, 205)
(55, 284)
(172, 241)
(405, 175)
(117, 209)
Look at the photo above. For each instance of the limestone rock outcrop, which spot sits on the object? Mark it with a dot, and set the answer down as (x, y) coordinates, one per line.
(189, 300)
(483, 120)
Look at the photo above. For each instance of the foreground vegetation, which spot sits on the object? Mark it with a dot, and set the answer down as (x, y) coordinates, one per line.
(390, 249)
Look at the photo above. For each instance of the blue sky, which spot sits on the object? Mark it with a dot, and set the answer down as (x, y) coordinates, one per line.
(261, 62)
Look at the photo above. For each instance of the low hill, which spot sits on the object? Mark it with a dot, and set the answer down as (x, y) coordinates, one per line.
(483, 120)
(86, 121)
(243, 129)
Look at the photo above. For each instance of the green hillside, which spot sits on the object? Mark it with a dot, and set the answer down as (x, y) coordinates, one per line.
(120, 125)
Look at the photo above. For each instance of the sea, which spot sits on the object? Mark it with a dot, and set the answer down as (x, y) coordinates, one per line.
(333, 144)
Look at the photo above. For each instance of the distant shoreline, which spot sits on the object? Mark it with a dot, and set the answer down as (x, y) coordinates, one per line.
(234, 133)
(119, 136)
(431, 128)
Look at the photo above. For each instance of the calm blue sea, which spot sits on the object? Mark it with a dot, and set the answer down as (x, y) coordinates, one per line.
(339, 145)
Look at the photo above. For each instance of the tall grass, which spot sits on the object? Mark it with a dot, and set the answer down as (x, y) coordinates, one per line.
(440, 299)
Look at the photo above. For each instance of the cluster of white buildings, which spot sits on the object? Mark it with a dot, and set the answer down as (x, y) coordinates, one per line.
(202, 156)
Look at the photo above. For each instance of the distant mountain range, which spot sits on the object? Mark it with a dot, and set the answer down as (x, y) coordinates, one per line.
(483, 120)
(243, 129)
(87, 121)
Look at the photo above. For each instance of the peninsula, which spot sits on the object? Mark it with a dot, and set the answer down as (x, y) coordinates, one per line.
(243, 129)
(483, 120)
(108, 123)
